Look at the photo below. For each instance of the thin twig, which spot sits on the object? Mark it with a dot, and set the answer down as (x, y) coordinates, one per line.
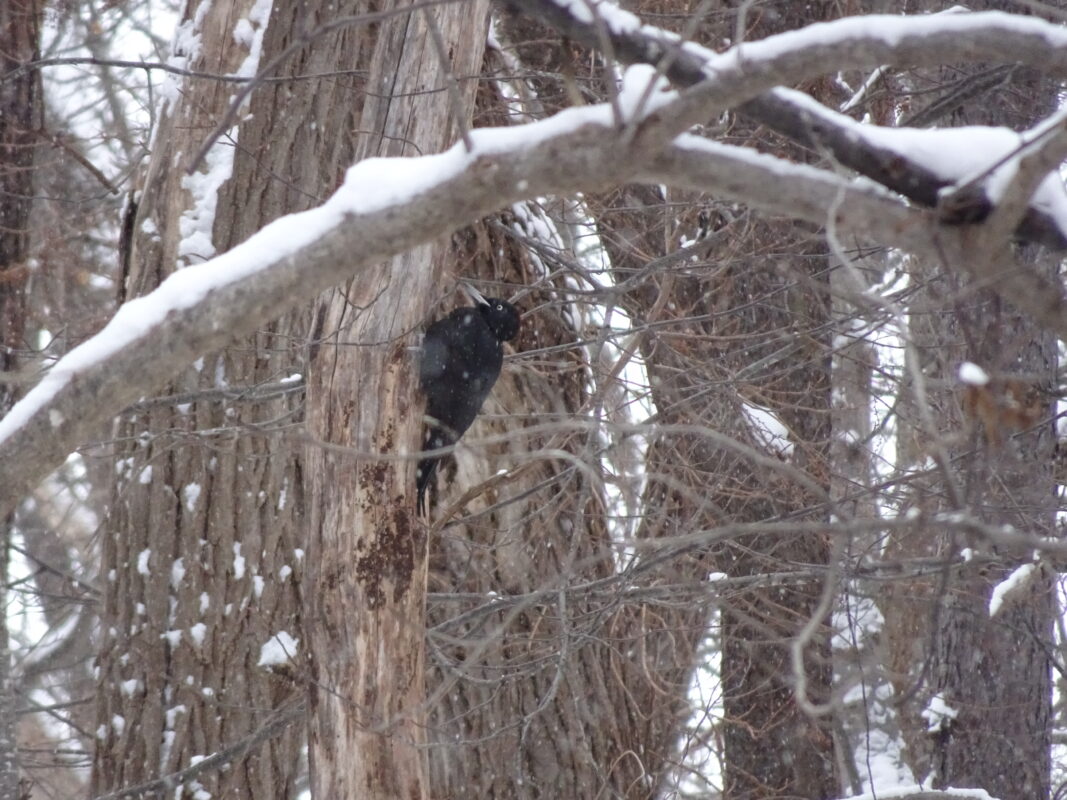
(58, 140)
(148, 66)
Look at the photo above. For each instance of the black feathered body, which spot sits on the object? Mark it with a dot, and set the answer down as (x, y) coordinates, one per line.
(461, 359)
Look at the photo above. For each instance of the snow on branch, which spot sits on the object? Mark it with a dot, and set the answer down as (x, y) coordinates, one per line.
(917, 792)
(743, 77)
(859, 207)
(385, 207)
(388, 206)
(927, 166)
(866, 41)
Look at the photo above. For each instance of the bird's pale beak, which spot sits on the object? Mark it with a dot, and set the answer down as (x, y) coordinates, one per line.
(473, 293)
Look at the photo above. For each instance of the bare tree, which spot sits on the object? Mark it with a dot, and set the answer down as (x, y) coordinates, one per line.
(368, 550)
(541, 632)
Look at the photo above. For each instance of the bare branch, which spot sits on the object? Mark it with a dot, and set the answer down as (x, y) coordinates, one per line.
(151, 66)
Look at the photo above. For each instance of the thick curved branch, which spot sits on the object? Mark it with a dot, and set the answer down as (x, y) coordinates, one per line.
(807, 122)
(856, 208)
(202, 309)
(850, 43)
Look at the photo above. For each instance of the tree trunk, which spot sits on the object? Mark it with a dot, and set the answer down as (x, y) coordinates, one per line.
(367, 548)
(758, 295)
(528, 695)
(997, 666)
(993, 448)
(547, 690)
(207, 556)
(771, 747)
(992, 671)
(561, 693)
(853, 455)
(20, 108)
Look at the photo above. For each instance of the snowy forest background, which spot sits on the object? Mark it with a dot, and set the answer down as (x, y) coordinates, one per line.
(767, 502)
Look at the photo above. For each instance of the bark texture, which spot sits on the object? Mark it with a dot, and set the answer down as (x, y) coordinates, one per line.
(526, 693)
(562, 693)
(993, 671)
(755, 294)
(20, 106)
(771, 747)
(554, 690)
(19, 115)
(206, 551)
(993, 449)
(367, 548)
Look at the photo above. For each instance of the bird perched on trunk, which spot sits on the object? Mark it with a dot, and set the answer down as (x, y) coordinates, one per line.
(461, 359)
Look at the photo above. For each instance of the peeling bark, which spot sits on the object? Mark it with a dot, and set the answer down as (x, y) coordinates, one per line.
(367, 547)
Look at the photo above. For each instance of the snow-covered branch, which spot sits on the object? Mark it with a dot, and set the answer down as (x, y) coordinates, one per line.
(386, 206)
(857, 208)
(849, 43)
(203, 308)
(923, 165)
(744, 76)
(919, 793)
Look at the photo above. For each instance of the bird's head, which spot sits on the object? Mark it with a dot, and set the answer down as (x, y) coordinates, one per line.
(500, 315)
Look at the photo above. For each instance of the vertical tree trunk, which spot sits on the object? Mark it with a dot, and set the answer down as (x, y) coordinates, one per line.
(995, 445)
(763, 721)
(775, 276)
(995, 669)
(566, 696)
(771, 747)
(367, 548)
(852, 458)
(205, 556)
(20, 108)
(530, 700)
(555, 693)
(992, 671)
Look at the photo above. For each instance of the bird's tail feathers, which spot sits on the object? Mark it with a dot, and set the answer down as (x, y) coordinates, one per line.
(436, 438)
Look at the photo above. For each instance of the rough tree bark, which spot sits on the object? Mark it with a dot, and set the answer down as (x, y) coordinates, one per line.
(771, 747)
(552, 692)
(994, 445)
(210, 491)
(368, 556)
(986, 450)
(20, 106)
(367, 547)
(529, 700)
(998, 668)
(571, 697)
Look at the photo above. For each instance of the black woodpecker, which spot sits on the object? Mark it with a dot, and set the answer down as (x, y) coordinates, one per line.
(461, 359)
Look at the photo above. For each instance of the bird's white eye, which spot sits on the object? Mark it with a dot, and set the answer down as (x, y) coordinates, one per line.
(499, 307)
